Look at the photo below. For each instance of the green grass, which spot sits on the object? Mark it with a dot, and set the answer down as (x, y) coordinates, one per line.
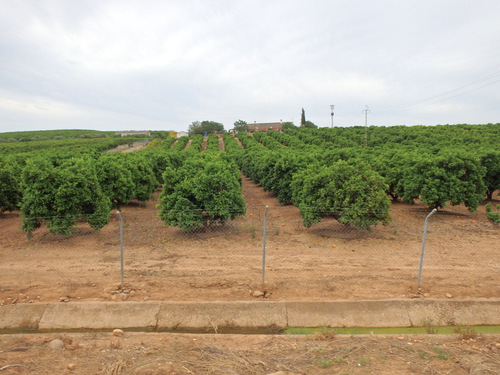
(443, 330)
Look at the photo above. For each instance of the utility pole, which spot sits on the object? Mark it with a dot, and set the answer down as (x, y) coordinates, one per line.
(332, 107)
(366, 110)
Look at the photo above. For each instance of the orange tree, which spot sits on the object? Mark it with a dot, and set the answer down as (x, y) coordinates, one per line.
(205, 190)
(350, 192)
(490, 159)
(143, 175)
(10, 191)
(115, 179)
(453, 176)
(61, 194)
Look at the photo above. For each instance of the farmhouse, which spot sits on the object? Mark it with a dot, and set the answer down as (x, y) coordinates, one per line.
(265, 126)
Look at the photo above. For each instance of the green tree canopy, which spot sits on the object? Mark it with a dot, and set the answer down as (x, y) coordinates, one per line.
(61, 195)
(115, 179)
(240, 126)
(143, 176)
(205, 190)
(288, 125)
(452, 176)
(490, 159)
(205, 127)
(352, 193)
(10, 190)
(311, 125)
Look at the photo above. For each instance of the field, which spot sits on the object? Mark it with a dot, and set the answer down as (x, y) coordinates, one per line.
(328, 261)
(325, 262)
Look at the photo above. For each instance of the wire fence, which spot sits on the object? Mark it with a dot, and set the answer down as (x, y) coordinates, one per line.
(267, 249)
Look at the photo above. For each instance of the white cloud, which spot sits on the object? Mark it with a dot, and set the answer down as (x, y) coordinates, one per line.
(36, 106)
(162, 63)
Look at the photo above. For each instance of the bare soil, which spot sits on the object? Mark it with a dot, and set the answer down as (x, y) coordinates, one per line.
(163, 353)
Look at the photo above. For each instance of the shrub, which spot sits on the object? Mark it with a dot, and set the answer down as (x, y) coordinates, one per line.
(493, 216)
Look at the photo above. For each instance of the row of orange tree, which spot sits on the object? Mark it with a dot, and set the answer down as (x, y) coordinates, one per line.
(346, 173)
(59, 186)
(327, 172)
(440, 165)
(204, 190)
(349, 191)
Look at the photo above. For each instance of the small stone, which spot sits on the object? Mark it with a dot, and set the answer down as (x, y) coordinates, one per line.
(56, 344)
(267, 294)
(146, 298)
(64, 299)
(426, 294)
(118, 332)
(257, 293)
(114, 297)
(124, 297)
(71, 366)
(448, 295)
(401, 338)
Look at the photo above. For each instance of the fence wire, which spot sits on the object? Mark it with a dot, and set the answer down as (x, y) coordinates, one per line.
(329, 260)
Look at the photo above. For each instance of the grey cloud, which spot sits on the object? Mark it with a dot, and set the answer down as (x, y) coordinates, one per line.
(165, 64)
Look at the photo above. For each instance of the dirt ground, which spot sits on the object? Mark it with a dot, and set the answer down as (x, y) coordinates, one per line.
(165, 353)
(328, 261)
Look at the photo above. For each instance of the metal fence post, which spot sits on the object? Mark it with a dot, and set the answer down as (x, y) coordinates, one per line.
(423, 244)
(121, 241)
(264, 248)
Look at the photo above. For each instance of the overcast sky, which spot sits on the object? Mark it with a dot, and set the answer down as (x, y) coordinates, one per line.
(160, 65)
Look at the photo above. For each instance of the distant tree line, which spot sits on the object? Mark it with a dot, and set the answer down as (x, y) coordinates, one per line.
(203, 127)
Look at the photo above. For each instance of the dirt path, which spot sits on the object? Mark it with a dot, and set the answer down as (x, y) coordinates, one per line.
(130, 147)
(204, 143)
(221, 142)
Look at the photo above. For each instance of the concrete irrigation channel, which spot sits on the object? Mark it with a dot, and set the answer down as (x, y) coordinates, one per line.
(244, 316)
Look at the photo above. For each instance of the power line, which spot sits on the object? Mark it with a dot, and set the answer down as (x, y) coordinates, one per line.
(487, 80)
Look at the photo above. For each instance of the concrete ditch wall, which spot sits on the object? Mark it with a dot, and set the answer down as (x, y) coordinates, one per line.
(251, 315)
